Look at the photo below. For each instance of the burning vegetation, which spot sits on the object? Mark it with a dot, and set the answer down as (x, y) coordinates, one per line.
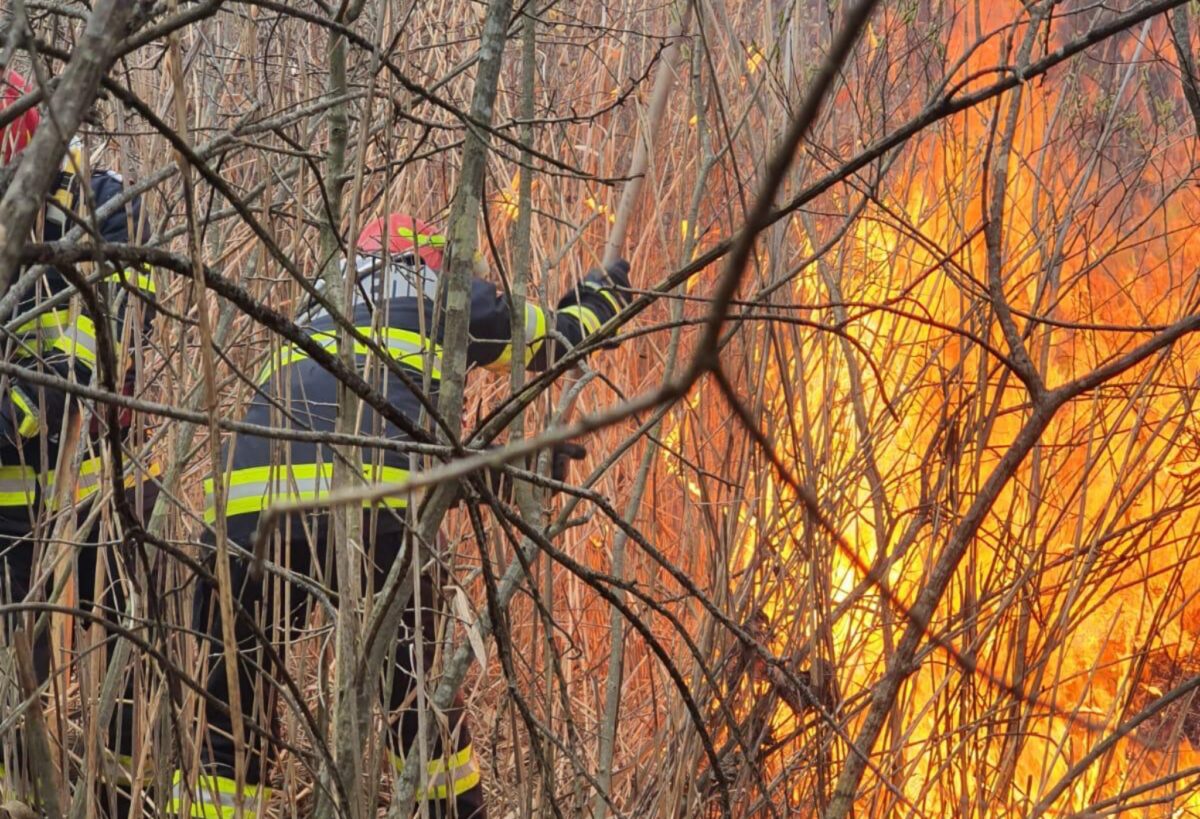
(891, 500)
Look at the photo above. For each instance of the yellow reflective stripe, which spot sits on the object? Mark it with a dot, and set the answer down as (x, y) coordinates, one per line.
(73, 161)
(456, 760)
(450, 776)
(63, 197)
(58, 332)
(74, 347)
(292, 355)
(535, 336)
(395, 334)
(87, 483)
(606, 293)
(254, 488)
(411, 349)
(54, 321)
(91, 477)
(461, 784)
(30, 420)
(586, 316)
(212, 783)
(141, 281)
(58, 205)
(535, 330)
(421, 239)
(216, 797)
(153, 470)
(18, 485)
(406, 347)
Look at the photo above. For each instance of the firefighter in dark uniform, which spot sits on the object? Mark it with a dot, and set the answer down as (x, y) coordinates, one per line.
(56, 337)
(395, 306)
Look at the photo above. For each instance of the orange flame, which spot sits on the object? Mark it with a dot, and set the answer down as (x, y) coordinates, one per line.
(1076, 574)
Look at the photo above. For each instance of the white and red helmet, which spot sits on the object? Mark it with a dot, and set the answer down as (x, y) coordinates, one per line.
(16, 135)
(401, 234)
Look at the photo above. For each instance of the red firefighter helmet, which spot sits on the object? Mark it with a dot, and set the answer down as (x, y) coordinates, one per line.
(15, 135)
(400, 233)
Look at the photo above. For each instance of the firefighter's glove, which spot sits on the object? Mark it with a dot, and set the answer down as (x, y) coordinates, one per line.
(560, 459)
(612, 282)
(561, 456)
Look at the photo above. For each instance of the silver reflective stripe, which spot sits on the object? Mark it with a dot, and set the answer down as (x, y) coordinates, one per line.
(280, 487)
(90, 472)
(447, 779)
(402, 348)
(214, 797)
(18, 486)
(55, 216)
(81, 340)
(535, 328)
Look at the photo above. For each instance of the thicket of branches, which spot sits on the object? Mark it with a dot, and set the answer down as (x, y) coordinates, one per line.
(890, 502)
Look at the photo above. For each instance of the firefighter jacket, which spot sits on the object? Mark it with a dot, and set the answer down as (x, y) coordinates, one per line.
(396, 307)
(56, 336)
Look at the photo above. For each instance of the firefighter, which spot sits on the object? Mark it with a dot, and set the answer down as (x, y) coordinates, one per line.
(395, 304)
(55, 336)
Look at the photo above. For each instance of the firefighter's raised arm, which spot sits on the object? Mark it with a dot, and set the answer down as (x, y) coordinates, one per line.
(581, 311)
